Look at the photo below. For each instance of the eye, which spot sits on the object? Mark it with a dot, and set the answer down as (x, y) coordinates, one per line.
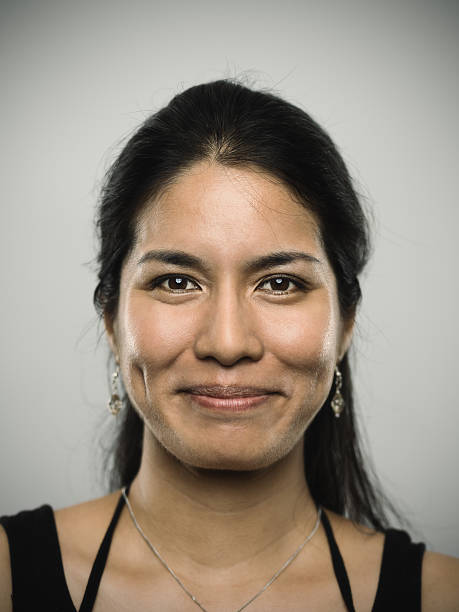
(280, 284)
(177, 283)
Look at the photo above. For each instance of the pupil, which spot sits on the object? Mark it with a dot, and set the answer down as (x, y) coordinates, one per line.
(278, 282)
(177, 280)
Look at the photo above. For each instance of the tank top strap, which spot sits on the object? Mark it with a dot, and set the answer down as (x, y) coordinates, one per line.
(100, 561)
(338, 565)
(399, 586)
(36, 562)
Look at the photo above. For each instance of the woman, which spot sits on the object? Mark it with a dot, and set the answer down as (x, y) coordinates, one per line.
(231, 243)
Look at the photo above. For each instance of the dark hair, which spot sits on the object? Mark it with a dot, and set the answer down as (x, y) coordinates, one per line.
(233, 125)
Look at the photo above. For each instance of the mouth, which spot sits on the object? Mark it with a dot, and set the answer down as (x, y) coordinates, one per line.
(228, 398)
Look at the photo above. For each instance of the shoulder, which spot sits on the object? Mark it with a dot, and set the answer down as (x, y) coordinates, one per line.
(86, 521)
(43, 535)
(81, 529)
(362, 549)
(356, 540)
(5, 573)
(440, 583)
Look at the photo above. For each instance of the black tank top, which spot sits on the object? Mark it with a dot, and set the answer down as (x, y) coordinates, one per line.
(39, 581)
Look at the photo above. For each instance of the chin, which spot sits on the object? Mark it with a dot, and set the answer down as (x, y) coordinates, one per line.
(216, 460)
(229, 464)
(224, 453)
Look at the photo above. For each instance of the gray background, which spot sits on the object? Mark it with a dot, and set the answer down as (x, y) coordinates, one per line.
(77, 77)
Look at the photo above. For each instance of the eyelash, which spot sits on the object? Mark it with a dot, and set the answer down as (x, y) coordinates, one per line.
(300, 285)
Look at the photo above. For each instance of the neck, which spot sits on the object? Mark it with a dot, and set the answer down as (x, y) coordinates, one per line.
(197, 514)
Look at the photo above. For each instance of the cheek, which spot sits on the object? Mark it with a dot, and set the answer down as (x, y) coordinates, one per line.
(305, 339)
(152, 334)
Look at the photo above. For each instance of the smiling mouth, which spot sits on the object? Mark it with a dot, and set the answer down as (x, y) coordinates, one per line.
(228, 391)
(229, 404)
(228, 398)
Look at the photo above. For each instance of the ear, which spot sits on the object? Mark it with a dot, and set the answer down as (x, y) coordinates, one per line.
(110, 329)
(347, 330)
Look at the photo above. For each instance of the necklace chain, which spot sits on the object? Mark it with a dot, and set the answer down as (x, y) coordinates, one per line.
(180, 583)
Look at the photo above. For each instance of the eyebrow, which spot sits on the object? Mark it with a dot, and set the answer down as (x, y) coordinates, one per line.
(186, 260)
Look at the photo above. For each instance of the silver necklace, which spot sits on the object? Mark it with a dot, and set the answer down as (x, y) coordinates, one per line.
(180, 583)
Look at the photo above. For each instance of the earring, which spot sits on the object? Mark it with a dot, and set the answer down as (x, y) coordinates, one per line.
(337, 402)
(115, 403)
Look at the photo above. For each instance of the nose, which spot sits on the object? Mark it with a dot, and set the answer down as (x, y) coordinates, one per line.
(227, 333)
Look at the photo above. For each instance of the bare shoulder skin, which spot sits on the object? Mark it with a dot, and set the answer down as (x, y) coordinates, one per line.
(81, 529)
(362, 550)
(5, 574)
(440, 583)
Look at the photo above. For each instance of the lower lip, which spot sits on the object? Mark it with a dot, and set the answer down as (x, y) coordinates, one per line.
(233, 404)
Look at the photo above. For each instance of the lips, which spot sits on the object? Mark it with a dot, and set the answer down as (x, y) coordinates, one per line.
(228, 391)
(229, 398)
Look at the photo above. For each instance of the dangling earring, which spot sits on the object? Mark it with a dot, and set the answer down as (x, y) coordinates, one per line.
(337, 402)
(115, 403)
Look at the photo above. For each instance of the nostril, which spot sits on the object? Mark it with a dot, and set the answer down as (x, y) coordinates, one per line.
(228, 350)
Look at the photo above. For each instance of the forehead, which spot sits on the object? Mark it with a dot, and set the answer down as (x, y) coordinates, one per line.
(233, 210)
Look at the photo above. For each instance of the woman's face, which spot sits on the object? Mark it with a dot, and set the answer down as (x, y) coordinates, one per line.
(200, 306)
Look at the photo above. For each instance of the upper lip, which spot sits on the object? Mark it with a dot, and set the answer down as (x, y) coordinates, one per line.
(228, 390)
